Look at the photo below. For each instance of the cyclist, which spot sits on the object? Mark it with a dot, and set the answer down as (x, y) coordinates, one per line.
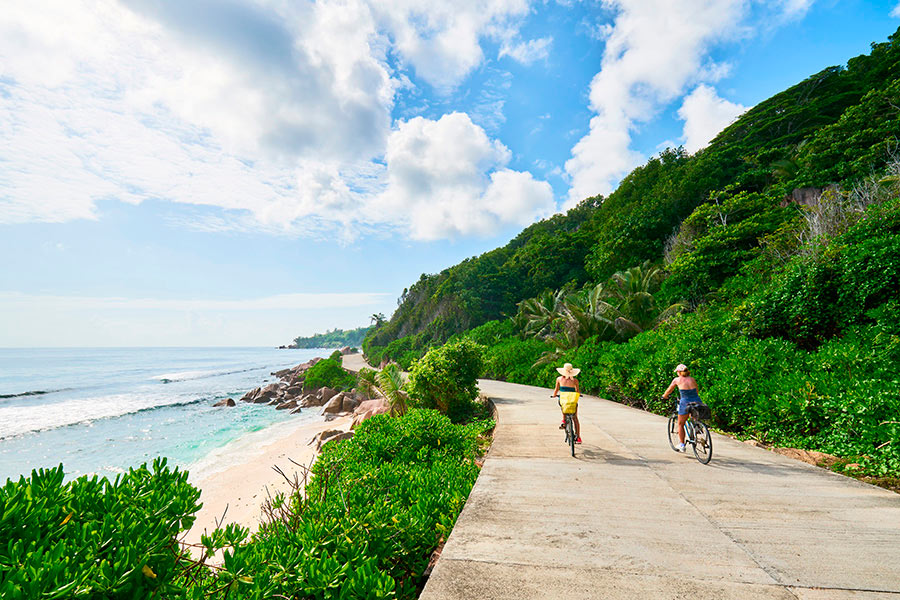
(687, 391)
(567, 384)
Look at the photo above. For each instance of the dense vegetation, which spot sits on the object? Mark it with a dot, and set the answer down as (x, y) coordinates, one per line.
(335, 338)
(769, 262)
(329, 372)
(94, 538)
(375, 508)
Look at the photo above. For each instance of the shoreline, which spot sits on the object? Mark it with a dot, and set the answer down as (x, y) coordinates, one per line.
(239, 489)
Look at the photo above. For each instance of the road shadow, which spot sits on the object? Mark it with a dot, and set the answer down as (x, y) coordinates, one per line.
(509, 401)
(606, 456)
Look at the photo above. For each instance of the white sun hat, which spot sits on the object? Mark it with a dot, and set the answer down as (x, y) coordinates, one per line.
(567, 370)
(681, 367)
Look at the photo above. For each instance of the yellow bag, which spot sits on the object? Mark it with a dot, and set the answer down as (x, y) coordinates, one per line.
(569, 402)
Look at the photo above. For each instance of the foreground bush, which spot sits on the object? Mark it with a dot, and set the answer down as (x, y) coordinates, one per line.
(92, 538)
(374, 511)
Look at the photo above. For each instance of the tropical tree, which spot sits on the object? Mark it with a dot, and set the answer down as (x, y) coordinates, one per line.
(387, 383)
(633, 305)
(617, 309)
(537, 315)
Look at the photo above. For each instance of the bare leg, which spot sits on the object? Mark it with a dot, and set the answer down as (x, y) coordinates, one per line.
(682, 419)
(577, 427)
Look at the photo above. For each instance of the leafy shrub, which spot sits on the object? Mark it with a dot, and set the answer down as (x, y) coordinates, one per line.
(446, 378)
(92, 538)
(514, 360)
(329, 373)
(821, 295)
(373, 512)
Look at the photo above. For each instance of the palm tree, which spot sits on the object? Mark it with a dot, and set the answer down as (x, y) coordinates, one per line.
(387, 383)
(634, 306)
(377, 319)
(537, 315)
(620, 308)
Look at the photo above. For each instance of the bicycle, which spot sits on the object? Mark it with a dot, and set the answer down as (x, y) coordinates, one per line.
(696, 433)
(569, 420)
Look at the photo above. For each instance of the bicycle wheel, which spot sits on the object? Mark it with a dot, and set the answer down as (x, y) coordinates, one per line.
(570, 433)
(702, 442)
(673, 431)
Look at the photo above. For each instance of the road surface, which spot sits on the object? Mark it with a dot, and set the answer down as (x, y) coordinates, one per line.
(630, 518)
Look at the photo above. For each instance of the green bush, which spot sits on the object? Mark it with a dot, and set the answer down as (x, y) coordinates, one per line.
(514, 360)
(446, 378)
(92, 538)
(375, 509)
(329, 373)
(823, 294)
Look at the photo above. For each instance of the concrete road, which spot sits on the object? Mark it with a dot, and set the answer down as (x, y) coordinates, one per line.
(630, 518)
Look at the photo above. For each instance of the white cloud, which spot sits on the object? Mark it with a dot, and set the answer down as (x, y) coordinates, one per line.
(653, 51)
(516, 197)
(276, 112)
(440, 39)
(446, 178)
(794, 9)
(705, 114)
(526, 52)
(896, 12)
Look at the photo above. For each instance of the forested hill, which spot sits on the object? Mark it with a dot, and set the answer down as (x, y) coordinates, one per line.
(336, 338)
(835, 127)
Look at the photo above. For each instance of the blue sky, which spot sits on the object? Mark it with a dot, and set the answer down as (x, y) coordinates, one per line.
(240, 172)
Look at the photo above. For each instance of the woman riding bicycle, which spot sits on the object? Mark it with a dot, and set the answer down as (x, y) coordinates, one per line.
(566, 382)
(687, 391)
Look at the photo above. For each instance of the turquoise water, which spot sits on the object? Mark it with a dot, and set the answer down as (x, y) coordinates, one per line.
(102, 410)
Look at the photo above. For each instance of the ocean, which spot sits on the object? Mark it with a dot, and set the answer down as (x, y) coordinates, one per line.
(103, 410)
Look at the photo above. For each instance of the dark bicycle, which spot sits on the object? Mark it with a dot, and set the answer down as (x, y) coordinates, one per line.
(569, 421)
(696, 433)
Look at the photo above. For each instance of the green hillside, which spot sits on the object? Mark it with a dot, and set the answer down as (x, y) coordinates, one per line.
(769, 262)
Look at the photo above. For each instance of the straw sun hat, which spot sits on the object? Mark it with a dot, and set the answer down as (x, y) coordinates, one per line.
(567, 370)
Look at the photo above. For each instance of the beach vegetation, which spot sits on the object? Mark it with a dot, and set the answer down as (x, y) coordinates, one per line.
(374, 509)
(388, 383)
(95, 538)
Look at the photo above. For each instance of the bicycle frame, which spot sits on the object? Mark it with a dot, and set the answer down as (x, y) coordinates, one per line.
(696, 434)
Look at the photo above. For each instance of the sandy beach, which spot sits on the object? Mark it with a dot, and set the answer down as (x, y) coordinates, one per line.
(242, 487)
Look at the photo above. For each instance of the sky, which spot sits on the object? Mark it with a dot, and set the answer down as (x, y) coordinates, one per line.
(243, 172)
